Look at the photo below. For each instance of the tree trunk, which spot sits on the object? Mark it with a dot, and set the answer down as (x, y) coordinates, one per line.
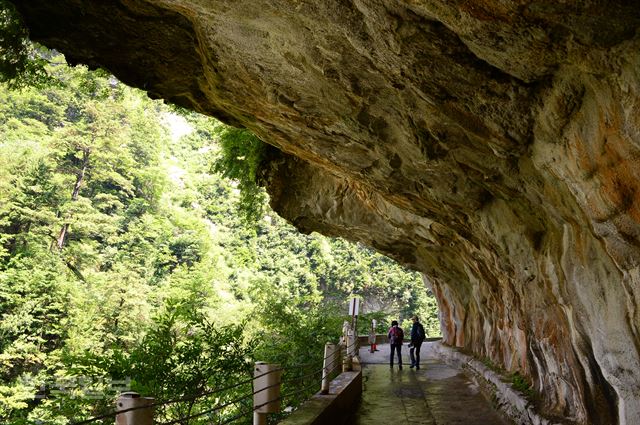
(74, 196)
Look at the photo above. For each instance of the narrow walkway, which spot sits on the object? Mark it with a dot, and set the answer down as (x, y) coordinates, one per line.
(436, 394)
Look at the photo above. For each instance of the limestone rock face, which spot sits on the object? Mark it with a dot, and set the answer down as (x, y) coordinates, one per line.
(493, 145)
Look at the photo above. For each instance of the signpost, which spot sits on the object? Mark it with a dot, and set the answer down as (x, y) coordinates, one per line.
(354, 306)
(354, 310)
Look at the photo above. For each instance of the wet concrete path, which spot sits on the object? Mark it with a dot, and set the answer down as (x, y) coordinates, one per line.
(437, 394)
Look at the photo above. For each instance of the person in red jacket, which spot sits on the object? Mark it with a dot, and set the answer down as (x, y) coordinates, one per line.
(396, 335)
(372, 337)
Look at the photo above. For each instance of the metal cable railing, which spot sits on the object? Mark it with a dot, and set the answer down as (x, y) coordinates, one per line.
(177, 400)
(327, 370)
(249, 412)
(246, 413)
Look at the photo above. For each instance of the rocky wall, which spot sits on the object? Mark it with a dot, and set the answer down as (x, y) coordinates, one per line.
(492, 145)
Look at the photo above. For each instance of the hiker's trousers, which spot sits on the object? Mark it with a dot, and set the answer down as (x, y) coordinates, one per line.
(396, 348)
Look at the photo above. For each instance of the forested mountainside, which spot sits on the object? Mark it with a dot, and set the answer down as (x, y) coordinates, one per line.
(126, 263)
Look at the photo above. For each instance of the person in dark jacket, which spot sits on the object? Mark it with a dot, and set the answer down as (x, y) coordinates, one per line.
(396, 335)
(417, 338)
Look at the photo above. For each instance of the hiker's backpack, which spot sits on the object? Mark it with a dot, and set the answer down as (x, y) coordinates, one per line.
(396, 335)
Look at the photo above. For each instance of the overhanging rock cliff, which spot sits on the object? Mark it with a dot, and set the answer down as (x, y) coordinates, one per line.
(492, 145)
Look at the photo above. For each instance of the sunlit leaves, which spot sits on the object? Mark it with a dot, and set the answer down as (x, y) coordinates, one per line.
(241, 156)
(159, 278)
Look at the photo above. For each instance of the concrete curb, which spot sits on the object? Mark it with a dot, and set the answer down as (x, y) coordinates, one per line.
(508, 400)
(333, 408)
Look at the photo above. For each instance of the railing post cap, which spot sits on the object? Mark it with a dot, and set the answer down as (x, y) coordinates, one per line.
(267, 364)
(130, 394)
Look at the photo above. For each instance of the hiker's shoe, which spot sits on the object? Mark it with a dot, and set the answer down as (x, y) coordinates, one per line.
(413, 365)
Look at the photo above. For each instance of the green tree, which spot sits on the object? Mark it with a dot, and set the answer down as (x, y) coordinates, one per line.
(20, 62)
(123, 256)
(241, 154)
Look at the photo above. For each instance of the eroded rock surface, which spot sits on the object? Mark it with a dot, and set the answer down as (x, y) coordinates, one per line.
(493, 145)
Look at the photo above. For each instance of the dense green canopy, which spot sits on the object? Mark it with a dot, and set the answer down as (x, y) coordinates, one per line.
(125, 261)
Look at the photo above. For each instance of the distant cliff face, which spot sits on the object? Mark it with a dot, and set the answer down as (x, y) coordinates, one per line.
(494, 145)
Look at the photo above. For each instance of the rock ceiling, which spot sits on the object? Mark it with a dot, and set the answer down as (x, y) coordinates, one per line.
(493, 145)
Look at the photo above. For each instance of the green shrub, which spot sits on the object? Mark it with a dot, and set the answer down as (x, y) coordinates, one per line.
(520, 383)
(240, 157)
(20, 63)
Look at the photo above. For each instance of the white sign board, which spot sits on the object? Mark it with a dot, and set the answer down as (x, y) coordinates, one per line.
(354, 306)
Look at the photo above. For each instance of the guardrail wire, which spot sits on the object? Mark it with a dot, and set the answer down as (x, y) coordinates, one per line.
(337, 358)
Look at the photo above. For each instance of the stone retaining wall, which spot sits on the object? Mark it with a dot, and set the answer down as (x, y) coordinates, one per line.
(507, 399)
(333, 408)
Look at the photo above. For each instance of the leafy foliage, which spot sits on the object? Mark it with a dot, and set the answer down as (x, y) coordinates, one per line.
(123, 257)
(241, 153)
(21, 63)
(520, 383)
